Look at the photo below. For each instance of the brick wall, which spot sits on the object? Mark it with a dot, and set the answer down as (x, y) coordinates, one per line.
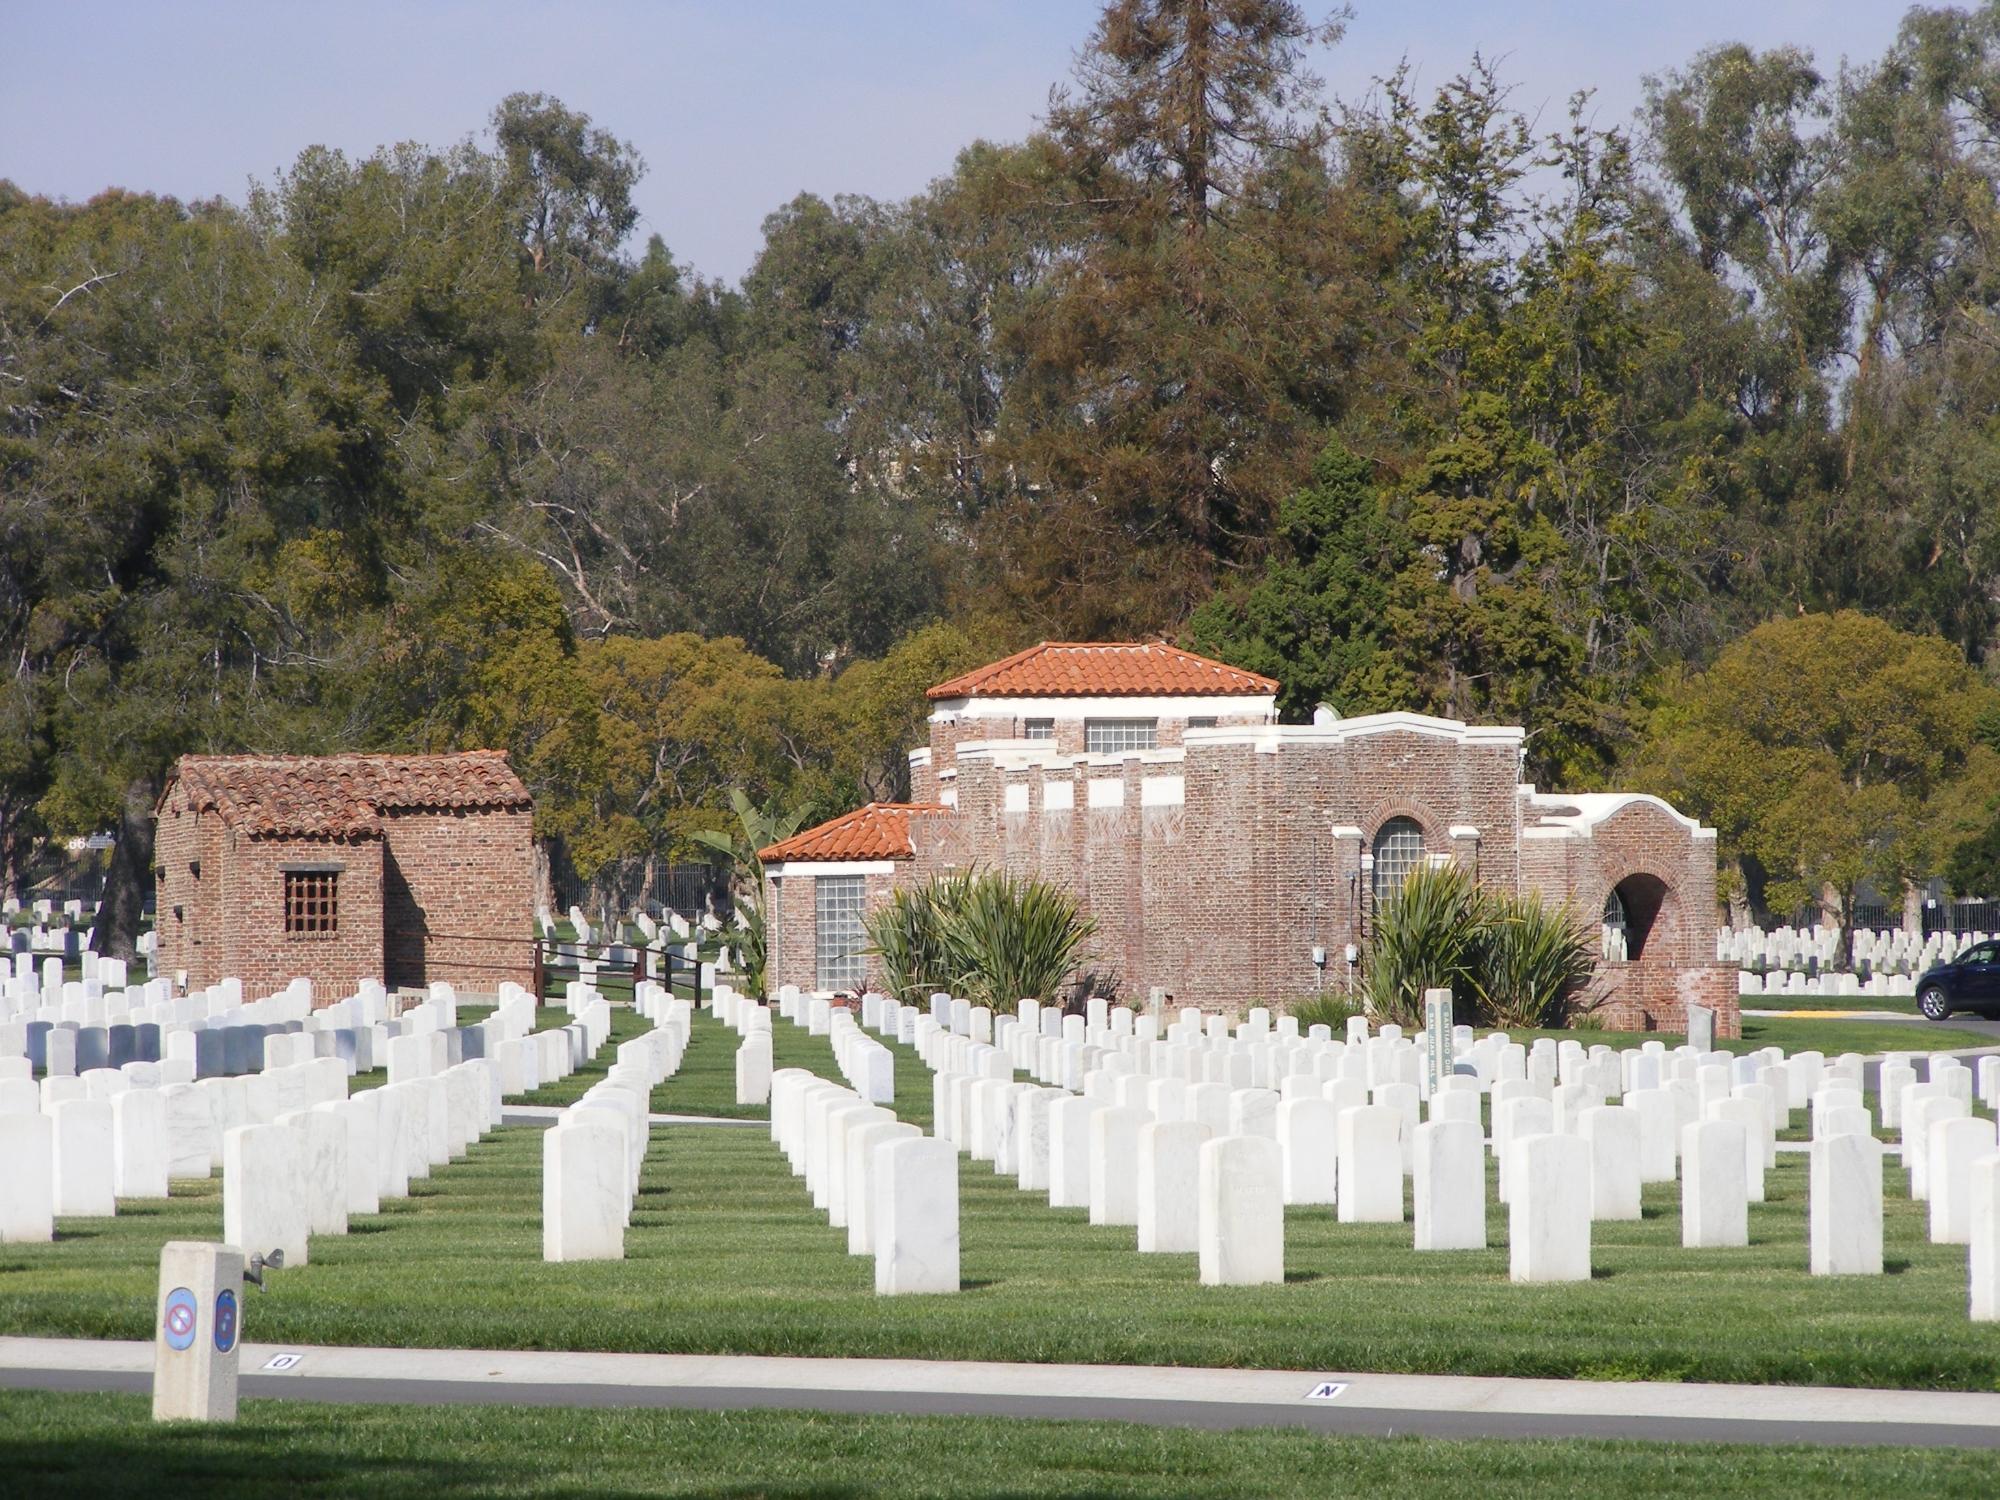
(1219, 898)
(459, 896)
(252, 943)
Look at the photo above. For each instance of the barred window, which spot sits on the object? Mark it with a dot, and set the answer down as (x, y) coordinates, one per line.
(312, 903)
(838, 932)
(1399, 849)
(1038, 729)
(1115, 736)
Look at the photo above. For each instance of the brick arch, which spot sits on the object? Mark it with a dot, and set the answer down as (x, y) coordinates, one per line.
(1654, 899)
(1436, 829)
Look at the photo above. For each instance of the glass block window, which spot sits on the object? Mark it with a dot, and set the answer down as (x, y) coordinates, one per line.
(1115, 736)
(312, 903)
(839, 934)
(1038, 729)
(1399, 849)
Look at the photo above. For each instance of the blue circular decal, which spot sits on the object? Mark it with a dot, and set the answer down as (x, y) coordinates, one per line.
(178, 1321)
(225, 1321)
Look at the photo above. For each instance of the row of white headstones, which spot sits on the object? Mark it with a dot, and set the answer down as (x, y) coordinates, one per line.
(298, 1153)
(1117, 1123)
(593, 1154)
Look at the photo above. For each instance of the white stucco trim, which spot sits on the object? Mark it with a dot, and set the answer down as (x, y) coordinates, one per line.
(1104, 706)
(1015, 798)
(1593, 808)
(1105, 791)
(1365, 726)
(1058, 796)
(802, 867)
(1462, 831)
(1020, 755)
(1162, 791)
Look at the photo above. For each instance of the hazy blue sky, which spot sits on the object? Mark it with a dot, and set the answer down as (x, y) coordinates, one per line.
(735, 106)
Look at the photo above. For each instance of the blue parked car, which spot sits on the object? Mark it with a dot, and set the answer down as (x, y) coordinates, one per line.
(1969, 982)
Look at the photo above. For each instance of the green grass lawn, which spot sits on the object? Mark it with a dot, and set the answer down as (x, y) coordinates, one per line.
(103, 1445)
(1797, 1035)
(726, 1255)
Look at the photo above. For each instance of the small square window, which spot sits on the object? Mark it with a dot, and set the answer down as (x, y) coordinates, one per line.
(1038, 729)
(312, 903)
(1202, 721)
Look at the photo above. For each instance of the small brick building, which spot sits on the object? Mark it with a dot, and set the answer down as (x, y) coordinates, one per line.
(1219, 851)
(400, 868)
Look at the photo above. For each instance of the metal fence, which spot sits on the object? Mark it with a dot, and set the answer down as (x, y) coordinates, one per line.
(689, 889)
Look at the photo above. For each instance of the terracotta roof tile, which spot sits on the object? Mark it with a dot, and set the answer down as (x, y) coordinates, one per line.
(1087, 669)
(881, 830)
(342, 796)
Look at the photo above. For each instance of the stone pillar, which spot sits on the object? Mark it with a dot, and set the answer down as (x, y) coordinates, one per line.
(916, 1216)
(1308, 1142)
(1715, 1190)
(1241, 1212)
(1548, 1229)
(1844, 1205)
(1169, 1172)
(27, 1186)
(584, 1168)
(1955, 1145)
(197, 1332)
(263, 1192)
(1370, 1185)
(1612, 1132)
(1448, 1185)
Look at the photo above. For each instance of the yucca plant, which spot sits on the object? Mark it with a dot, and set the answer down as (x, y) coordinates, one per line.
(1532, 963)
(1426, 937)
(910, 934)
(1013, 939)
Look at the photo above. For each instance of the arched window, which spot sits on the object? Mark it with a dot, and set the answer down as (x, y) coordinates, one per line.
(1399, 849)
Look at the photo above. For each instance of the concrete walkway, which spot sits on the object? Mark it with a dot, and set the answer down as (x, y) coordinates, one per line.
(1326, 1401)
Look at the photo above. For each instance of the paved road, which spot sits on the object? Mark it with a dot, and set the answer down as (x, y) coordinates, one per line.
(1368, 1405)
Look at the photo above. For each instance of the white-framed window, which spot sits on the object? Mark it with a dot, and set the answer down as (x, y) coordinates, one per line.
(839, 935)
(1399, 849)
(1115, 736)
(1038, 729)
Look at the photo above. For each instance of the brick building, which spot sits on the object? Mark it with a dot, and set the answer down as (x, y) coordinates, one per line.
(1221, 853)
(400, 868)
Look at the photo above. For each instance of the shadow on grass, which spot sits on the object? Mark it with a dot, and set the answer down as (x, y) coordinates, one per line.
(233, 1463)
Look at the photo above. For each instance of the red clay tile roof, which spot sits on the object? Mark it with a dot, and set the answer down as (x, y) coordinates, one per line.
(881, 830)
(1090, 669)
(342, 796)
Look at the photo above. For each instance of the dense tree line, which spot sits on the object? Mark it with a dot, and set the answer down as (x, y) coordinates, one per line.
(1405, 401)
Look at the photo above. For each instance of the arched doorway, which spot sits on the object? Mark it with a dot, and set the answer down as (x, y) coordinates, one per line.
(1632, 911)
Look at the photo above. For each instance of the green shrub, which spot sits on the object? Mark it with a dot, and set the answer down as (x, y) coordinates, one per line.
(993, 938)
(1426, 938)
(1014, 939)
(1531, 962)
(1326, 1010)
(909, 933)
(1521, 962)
